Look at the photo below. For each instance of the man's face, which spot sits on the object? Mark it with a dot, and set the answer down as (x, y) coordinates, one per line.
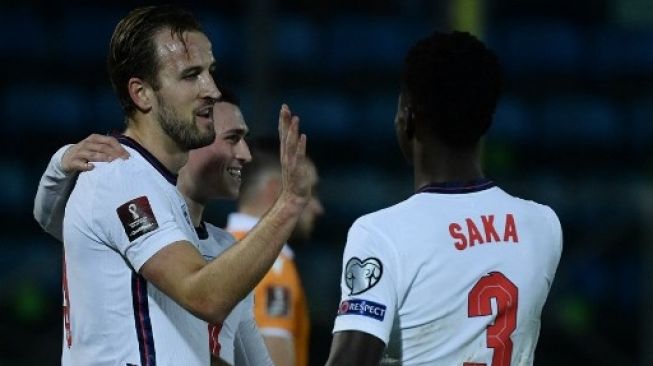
(312, 211)
(216, 168)
(187, 93)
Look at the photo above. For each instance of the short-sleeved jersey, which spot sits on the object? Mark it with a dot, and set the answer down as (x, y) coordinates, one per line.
(454, 275)
(280, 305)
(238, 331)
(118, 216)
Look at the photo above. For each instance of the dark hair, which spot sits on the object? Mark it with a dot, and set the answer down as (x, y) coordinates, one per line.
(132, 52)
(452, 82)
(228, 96)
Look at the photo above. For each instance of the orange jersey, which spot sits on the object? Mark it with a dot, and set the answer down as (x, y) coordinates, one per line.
(280, 305)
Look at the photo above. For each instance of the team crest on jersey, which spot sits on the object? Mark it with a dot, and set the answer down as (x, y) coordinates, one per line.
(278, 301)
(137, 217)
(362, 275)
(367, 308)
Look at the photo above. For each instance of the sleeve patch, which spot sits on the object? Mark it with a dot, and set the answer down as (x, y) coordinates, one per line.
(137, 218)
(362, 275)
(367, 308)
(278, 301)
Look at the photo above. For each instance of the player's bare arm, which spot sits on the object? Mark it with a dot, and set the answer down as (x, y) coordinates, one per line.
(356, 349)
(211, 290)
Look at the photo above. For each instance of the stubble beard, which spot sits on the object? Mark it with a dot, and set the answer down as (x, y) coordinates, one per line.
(184, 133)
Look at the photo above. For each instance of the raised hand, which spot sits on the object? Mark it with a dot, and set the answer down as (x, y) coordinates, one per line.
(294, 171)
(94, 148)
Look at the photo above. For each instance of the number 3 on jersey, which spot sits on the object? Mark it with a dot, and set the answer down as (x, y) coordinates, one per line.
(479, 303)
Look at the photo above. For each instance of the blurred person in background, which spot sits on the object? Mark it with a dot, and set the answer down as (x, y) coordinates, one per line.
(458, 273)
(280, 304)
(212, 172)
(132, 265)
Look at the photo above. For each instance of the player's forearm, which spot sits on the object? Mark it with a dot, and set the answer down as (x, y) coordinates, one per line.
(233, 274)
(52, 194)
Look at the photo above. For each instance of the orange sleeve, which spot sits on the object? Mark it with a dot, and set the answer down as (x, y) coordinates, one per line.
(274, 299)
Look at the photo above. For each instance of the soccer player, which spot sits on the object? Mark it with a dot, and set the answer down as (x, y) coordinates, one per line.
(280, 307)
(458, 273)
(136, 288)
(212, 172)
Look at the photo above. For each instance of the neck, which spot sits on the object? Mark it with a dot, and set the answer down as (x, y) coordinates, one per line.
(439, 163)
(149, 134)
(192, 196)
(196, 210)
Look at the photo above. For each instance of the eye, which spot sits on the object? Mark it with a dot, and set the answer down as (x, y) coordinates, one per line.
(192, 76)
(233, 138)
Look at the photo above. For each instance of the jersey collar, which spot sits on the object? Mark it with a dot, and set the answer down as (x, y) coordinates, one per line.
(167, 174)
(201, 231)
(457, 187)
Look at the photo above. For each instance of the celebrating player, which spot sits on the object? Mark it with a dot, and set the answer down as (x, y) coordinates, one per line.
(136, 288)
(212, 172)
(458, 273)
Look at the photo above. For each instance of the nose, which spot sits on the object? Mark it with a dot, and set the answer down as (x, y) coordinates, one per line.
(242, 152)
(209, 89)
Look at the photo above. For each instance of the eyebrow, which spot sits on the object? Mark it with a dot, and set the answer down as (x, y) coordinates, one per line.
(241, 130)
(198, 69)
(244, 131)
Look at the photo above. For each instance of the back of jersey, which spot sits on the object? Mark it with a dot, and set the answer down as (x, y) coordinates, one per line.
(452, 276)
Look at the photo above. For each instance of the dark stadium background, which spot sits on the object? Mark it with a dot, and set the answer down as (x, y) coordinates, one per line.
(573, 130)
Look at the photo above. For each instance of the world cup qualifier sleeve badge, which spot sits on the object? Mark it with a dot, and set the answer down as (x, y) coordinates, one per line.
(362, 275)
(137, 217)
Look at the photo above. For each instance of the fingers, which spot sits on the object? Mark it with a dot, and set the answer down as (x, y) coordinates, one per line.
(292, 143)
(97, 148)
(80, 166)
(108, 145)
(292, 137)
(284, 123)
(301, 146)
(95, 153)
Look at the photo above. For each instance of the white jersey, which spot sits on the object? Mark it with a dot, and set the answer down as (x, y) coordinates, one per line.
(239, 333)
(51, 196)
(118, 216)
(455, 274)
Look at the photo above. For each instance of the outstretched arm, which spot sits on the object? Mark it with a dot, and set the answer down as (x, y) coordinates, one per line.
(59, 177)
(211, 290)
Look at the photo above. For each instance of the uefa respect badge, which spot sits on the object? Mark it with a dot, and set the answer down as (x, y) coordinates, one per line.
(362, 307)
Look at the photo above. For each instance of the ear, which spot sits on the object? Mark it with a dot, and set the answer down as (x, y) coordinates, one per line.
(409, 127)
(141, 94)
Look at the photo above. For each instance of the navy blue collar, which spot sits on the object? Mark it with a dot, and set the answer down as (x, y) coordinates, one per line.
(201, 231)
(457, 187)
(167, 174)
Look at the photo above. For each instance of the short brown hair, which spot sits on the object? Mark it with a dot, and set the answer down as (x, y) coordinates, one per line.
(132, 51)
